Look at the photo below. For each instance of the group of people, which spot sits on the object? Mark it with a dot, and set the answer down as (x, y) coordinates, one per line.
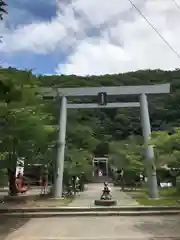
(21, 186)
(75, 185)
(124, 179)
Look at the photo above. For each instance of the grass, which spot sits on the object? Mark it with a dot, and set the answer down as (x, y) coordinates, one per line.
(35, 201)
(49, 202)
(168, 197)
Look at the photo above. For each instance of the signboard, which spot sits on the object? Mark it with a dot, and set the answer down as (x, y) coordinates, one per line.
(102, 98)
(20, 166)
(19, 170)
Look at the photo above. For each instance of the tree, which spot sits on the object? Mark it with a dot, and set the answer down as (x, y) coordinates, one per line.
(78, 161)
(24, 131)
(127, 154)
(79, 151)
(81, 136)
(167, 147)
(2, 9)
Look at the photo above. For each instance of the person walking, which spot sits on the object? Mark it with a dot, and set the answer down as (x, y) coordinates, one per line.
(82, 181)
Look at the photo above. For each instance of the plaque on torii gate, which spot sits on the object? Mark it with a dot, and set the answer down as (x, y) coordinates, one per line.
(64, 93)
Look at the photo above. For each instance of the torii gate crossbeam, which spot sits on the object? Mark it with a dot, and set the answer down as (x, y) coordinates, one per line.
(63, 93)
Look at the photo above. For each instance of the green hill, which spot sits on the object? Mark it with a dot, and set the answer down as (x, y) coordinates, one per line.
(119, 123)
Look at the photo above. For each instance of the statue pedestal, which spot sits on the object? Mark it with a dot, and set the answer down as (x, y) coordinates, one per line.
(105, 202)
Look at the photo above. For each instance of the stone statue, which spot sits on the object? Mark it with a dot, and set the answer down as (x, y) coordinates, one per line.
(106, 195)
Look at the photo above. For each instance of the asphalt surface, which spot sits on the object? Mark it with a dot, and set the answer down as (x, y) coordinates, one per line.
(95, 228)
(92, 228)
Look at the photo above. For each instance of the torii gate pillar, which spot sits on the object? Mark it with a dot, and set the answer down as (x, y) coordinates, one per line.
(149, 151)
(59, 167)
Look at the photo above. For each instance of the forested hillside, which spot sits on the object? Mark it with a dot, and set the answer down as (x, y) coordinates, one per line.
(28, 122)
(119, 123)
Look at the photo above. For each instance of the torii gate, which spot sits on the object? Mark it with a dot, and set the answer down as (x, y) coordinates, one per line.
(103, 92)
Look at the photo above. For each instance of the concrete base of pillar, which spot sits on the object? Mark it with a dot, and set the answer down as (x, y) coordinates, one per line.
(154, 198)
(56, 199)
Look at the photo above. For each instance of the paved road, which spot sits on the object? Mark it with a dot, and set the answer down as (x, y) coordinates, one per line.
(94, 191)
(99, 228)
(93, 228)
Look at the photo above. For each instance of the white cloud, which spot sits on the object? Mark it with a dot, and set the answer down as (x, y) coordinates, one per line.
(96, 57)
(125, 44)
(99, 11)
(139, 46)
(36, 37)
(41, 37)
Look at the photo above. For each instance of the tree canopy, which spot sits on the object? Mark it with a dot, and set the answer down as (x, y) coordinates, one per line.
(2, 9)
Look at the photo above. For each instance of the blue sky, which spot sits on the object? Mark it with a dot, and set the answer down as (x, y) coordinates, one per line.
(26, 12)
(88, 37)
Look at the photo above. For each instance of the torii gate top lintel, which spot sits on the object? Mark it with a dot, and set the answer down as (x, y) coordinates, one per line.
(115, 90)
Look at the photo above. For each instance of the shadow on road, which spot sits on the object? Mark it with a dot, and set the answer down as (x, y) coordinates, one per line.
(166, 226)
(9, 225)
